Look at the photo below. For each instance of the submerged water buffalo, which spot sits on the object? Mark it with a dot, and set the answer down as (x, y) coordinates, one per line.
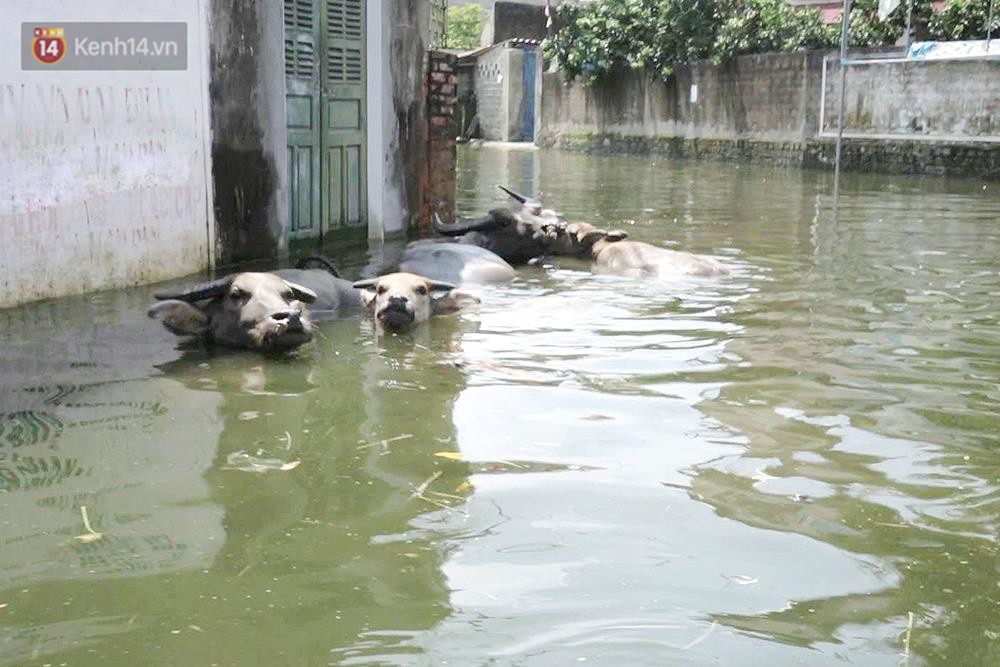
(611, 252)
(517, 235)
(530, 230)
(398, 300)
(457, 263)
(257, 311)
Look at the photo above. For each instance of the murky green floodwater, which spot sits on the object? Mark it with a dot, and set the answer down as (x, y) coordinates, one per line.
(777, 467)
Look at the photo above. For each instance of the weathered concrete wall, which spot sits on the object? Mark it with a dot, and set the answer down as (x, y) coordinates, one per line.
(959, 99)
(104, 174)
(906, 117)
(763, 96)
(398, 35)
(248, 130)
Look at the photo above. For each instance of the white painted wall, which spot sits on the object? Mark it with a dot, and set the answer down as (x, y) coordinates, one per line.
(104, 176)
(379, 128)
(387, 210)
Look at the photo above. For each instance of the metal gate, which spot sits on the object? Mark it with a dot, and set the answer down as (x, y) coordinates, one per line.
(325, 115)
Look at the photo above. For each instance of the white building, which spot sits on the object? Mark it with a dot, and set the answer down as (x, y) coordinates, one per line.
(284, 122)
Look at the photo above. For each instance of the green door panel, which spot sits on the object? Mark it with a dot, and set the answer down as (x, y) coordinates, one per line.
(343, 109)
(325, 115)
(302, 109)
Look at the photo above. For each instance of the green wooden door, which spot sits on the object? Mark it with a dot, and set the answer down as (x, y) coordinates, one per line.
(302, 116)
(325, 89)
(343, 99)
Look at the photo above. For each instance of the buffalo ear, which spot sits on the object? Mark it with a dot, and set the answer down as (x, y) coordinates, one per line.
(368, 297)
(367, 288)
(303, 294)
(453, 301)
(180, 317)
(616, 235)
(591, 237)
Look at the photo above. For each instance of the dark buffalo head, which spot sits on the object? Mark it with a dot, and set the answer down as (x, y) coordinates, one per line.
(257, 311)
(578, 239)
(517, 234)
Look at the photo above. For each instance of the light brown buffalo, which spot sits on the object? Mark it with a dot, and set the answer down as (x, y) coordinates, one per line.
(398, 300)
(611, 252)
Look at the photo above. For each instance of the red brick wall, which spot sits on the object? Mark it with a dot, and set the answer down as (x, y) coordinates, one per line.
(442, 101)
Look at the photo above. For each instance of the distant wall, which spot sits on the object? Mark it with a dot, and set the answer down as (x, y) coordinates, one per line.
(959, 99)
(931, 117)
(103, 174)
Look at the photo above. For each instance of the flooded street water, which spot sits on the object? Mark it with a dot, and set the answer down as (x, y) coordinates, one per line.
(797, 463)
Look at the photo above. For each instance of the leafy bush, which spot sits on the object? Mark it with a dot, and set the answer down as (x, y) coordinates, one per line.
(603, 37)
(681, 31)
(464, 25)
(964, 19)
(609, 36)
(600, 38)
(760, 26)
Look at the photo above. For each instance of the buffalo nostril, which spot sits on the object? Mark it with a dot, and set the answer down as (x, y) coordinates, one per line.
(291, 315)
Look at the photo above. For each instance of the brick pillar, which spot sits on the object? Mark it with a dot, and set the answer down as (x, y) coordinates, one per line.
(442, 101)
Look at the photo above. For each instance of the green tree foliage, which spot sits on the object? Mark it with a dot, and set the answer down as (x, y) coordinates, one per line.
(606, 36)
(464, 25)
(964, 19)
(600, 38)
(760, 26)
(683, 31)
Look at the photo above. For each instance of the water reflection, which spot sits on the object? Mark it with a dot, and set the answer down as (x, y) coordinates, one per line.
(80, 426)
(331, 554)
(877, 432)
(780, 465)
(845, 437)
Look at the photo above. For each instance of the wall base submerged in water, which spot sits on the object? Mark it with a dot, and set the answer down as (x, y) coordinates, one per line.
(780, 109)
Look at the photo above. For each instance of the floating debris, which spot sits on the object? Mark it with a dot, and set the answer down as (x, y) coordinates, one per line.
(384, 444)
(418, 492)
(504, 466)
(91, 535)
(241, 460)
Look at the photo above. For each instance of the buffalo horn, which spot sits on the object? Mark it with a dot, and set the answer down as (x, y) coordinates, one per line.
(434, 284)
(199, 292)
(488, 221)
(519, 197)
(302, 293)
